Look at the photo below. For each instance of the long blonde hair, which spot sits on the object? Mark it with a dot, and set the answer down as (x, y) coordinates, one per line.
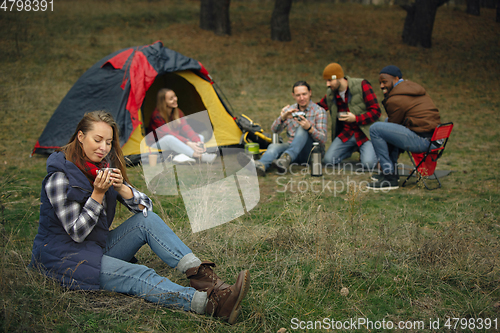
(73, 150)
(161, 105)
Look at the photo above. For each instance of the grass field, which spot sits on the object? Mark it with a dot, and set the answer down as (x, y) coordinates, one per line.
(410, 255)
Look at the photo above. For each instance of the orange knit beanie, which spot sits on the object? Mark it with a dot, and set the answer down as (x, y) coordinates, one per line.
(333, 71)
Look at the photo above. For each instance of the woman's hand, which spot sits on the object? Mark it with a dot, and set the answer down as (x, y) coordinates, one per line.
(103, 181)
(117, 182)
(198, 147)
(116, 178)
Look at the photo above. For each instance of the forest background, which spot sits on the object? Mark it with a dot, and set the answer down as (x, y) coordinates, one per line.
(410, 255)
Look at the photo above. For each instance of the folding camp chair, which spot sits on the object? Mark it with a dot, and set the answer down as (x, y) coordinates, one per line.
(425, 163)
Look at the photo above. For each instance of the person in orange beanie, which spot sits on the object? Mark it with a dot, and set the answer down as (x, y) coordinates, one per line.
(354, 108)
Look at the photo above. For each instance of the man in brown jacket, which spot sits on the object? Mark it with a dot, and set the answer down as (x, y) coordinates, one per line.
(412, 118)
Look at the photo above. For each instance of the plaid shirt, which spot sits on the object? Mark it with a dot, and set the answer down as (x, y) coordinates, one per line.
(183, 132)
(370, 116)
(78, 220)
(316, 116)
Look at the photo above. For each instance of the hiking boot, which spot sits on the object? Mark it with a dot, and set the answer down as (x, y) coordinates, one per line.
(203, 277)
(283, 163)
(388, 182)
(225, 302)
(260, 168)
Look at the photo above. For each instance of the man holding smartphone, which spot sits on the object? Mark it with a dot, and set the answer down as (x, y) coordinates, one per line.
(305, 122)
(354, 108)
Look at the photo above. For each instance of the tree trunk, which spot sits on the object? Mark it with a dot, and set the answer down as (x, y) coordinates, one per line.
(214, 16)
(498, 12)
(207, 15)
(280, 25)
(419, 22)
(222, 20)
(492, 4)
(473, 7)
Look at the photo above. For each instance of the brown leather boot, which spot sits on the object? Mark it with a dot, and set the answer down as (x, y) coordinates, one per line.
(226, 302)
(203, 277)
(283, 163)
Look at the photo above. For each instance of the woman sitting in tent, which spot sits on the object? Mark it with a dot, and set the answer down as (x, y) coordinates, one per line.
(174, 133)
(75, 245)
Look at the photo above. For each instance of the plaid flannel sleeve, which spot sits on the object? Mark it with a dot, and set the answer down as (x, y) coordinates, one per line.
(278, 125)
(163, 128)
(372, 108)
(189, 132)
(77, 220)
(139, 198)
(323, 103)
(156, 122)
(158, 125)
(320, 125)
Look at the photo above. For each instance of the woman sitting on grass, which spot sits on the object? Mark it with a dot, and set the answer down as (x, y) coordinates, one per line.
(75, 245)
(174, 133)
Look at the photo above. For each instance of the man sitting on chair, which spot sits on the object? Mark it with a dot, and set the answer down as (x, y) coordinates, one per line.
(412, 118)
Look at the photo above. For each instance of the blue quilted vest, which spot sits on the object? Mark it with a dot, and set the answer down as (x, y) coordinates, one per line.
(55, 253)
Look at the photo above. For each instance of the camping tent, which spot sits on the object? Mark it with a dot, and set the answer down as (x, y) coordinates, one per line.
(125, 84)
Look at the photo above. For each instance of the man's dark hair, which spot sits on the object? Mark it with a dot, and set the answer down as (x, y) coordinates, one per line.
(301, 83)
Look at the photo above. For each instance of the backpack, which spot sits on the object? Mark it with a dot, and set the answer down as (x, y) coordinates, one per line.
(253, 132)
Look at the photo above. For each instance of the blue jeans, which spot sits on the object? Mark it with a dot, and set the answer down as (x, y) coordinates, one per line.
(339, 150)
(170, 142)
(119, 275)
(299, 150)
(389, 139)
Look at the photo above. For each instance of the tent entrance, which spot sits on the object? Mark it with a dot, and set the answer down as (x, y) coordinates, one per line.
(189, 101)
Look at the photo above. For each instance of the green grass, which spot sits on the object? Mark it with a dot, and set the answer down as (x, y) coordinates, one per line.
(408, 255)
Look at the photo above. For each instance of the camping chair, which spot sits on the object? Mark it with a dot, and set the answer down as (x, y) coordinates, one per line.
(425, 163)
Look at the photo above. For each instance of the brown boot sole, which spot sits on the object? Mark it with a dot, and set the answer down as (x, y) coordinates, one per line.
(243, 292)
